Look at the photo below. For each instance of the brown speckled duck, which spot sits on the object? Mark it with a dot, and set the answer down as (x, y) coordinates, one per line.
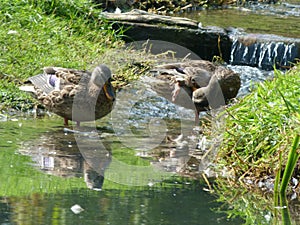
(196, 84)
(76, 95)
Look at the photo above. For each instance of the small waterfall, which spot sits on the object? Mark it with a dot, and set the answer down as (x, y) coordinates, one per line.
(264, 51)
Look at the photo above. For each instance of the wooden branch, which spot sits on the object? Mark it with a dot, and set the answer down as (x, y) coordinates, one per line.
(139, 16)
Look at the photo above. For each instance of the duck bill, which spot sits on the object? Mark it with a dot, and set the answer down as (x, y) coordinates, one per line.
(109, 92)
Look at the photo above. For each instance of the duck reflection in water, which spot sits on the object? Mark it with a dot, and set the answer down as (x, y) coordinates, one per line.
(59, 155)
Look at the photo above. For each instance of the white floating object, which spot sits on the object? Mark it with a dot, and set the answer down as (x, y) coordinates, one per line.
(97, 189)
(150, 184)
(76, 209)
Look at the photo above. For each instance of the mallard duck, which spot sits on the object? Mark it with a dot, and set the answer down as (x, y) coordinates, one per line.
(76, 95)
(222, 87)
(196, 84)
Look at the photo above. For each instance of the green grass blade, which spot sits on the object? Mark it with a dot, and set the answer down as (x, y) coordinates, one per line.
(291, 163)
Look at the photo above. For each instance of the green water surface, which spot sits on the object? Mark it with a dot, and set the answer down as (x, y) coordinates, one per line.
(250, 21)
(32, 195)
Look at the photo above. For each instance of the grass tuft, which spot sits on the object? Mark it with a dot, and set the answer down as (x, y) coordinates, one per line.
(34, 34)
(290, 165)
(261, 127)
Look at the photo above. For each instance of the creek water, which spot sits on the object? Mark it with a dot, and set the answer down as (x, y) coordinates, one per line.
(108, 170)
(283, 19)
(131, 167)
(46, 170)
(125, 168)
(262, 35)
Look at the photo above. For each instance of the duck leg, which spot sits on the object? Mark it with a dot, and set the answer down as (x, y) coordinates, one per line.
(66, 122)
(196, 118)
(176, 91)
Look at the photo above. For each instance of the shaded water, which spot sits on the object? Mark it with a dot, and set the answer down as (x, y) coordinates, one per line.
(148, 206)
(44, 173)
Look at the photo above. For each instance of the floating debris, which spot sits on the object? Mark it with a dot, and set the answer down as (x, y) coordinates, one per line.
(76, 209)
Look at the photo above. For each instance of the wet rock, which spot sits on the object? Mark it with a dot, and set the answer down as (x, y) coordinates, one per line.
(206, 42)
(239, 48)
(264, 51)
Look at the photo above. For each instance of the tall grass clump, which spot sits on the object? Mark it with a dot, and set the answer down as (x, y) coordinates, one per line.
(34, 34)
(290, 165)
(261, 127)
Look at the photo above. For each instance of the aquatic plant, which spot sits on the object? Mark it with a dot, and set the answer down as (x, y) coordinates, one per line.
(290, 165)
(261, 127)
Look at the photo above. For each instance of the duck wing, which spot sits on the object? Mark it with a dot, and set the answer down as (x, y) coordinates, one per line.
(68, 76)
(192, 74)
(41, 81)
(196, 77)
(164, 86)
(56, 78)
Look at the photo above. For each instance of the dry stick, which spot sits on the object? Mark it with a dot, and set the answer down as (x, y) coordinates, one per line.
(207, 182)
(187, 6)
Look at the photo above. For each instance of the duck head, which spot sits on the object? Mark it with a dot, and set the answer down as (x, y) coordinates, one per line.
(199, 99)
(101, 77)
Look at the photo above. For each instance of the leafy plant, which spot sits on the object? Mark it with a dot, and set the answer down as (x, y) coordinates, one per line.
(261, 126)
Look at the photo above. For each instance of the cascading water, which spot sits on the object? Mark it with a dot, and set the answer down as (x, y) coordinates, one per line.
(264, 51)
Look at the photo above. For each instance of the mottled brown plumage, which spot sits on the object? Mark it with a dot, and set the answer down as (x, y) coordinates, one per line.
(196, 84)
(76, 95)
